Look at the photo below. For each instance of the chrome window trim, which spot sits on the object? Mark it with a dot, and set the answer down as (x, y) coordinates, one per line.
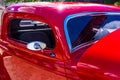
(79, 15)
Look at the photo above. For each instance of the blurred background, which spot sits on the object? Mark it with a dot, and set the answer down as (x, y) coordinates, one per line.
(8, 2)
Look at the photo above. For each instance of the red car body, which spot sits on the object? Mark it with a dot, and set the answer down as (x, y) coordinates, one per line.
(96, 60)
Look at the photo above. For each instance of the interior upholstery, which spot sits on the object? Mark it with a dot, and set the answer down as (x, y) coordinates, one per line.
(35, 36)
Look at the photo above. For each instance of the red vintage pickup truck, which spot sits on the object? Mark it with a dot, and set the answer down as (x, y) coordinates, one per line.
(61, 40)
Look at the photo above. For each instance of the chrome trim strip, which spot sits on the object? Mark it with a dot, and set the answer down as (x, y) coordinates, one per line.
(78, 15)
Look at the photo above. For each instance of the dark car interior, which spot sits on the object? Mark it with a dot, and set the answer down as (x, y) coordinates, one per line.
(27, 31)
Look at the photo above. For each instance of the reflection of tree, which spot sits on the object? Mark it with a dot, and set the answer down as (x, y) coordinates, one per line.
(117, 3)
(1, 2)
(110, 1)
(16, 1)
(21, 1)
(96, 1)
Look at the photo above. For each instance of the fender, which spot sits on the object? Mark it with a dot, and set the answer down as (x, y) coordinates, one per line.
(103, 58)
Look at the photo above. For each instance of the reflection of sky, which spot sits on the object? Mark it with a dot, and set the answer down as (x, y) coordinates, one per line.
(80, 64)
(90, 66)
(112, 25)
(76, 25)
(111, 75)
(110, 21)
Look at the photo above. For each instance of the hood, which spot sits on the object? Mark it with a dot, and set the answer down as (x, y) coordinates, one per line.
(102, 60)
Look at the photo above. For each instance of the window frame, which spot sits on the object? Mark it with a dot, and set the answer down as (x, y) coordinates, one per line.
(80, 15)
(20, 41)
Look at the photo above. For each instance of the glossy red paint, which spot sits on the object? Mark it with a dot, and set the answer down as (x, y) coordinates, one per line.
(104, 57)
(87, 63)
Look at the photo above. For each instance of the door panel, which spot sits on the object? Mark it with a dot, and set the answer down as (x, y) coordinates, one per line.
(19, 69)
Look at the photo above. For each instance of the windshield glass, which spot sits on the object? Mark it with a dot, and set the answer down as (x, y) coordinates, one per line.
(89, 28)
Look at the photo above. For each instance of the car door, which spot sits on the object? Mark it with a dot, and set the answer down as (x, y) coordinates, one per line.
(45, 63)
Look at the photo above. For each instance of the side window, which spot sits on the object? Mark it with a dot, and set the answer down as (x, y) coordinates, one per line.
(82, 29)
(26, 31)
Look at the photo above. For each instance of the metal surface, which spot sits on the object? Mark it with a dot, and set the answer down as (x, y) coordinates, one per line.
(100, 61)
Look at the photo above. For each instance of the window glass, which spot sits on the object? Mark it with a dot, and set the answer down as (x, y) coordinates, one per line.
(27, 31)
(76, 25)
(83, 29)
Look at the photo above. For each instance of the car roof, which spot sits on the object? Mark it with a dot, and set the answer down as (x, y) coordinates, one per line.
(57, 11)
(61, 7)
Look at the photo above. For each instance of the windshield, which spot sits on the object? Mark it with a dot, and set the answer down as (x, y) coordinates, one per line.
(82, 29)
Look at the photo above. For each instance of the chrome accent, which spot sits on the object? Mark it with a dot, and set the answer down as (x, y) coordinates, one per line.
(36, 45)
(78, 15)
(52, 54)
